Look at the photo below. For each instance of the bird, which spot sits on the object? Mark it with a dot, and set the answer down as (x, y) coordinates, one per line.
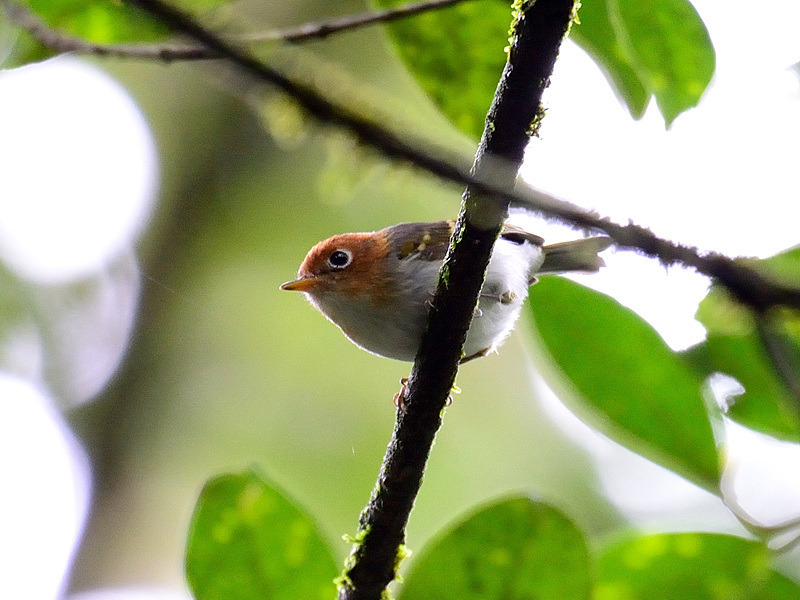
(377, 286)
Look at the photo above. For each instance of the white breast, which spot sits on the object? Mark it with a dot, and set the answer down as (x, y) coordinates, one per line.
(511, 269)
(394, 330)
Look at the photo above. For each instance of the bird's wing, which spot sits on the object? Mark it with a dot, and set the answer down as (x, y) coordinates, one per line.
(420, 241)
(518, 235)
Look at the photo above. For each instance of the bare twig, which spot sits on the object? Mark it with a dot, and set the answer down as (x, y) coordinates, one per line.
(63, 42)
(322, 29)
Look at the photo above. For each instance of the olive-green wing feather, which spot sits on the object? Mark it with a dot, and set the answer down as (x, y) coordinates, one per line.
(420, 241)
(518, 234)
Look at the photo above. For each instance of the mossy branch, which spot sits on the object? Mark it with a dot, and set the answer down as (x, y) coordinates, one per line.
(536, 36)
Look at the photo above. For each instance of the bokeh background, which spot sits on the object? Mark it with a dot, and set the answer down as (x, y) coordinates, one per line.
(149, 212)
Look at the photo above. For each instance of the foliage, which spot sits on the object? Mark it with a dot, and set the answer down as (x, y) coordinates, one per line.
(652, 394)
(247, 539)
(514, 548)
(100, 21)
(657, 48)
(689, 565)
(734, 346)
(104, 21)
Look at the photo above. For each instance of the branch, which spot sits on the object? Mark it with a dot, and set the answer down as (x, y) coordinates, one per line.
(540, 28)
(322, 29)
(745, 283)
(61, 42)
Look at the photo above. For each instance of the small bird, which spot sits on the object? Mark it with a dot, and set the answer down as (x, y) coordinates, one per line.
(377, 287)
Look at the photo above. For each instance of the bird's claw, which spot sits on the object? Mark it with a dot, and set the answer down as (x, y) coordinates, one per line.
(453, 390)
(400, 397)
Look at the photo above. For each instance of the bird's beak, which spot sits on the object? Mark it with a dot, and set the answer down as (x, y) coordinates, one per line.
(303, 284)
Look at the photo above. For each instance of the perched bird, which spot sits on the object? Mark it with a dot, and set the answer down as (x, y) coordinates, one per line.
(377, 286)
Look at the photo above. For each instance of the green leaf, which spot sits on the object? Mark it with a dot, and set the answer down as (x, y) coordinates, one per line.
(97, 21)
(649, 48)
(247, 541)
(100, 21)
(784, 266)
(457, 55)
(18, 47)
(645, 48)
(515, 549)
(596, 35)
(690, 566)
(734, 346)
(629, 384)
(765, 405)
(668, 46)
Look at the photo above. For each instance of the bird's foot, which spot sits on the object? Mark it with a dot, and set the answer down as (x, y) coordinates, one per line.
(400, 397)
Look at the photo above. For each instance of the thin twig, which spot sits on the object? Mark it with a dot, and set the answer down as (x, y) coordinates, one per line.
(62, 42)
(322, 29)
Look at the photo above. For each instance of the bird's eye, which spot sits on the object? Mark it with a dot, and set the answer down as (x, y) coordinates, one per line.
(339, 259)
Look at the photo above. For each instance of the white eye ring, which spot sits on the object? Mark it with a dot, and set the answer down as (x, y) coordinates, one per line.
(340, 258)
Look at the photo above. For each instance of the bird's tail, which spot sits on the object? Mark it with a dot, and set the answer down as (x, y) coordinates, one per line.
(578, 255)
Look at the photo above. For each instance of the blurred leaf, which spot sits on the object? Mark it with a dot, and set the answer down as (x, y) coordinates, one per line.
(785, 266)
(516, 548)
(765, 405)
(639, 392)
(247, 541)
(19, 335)
(457, 55)
(734, 346)
(100, 21)
(18, 47)
(690, 566)
(97, 21)
(667, 45)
